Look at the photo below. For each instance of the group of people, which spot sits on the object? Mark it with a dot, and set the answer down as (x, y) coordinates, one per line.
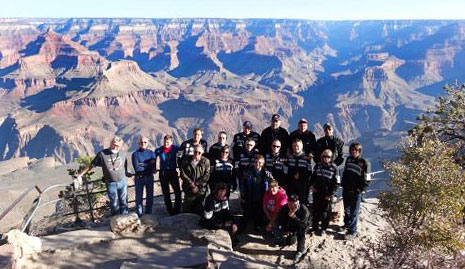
(274, 173)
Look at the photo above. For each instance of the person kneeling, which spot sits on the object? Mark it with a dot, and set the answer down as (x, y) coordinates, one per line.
(293, 222)
(217, 214)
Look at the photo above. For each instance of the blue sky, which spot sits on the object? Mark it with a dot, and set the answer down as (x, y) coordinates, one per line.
(294, 9)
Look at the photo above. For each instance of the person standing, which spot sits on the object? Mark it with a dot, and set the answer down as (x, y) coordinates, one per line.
(293, 220)
(276, 163)
(307, 137)
(299, 172)
(271, 133)
(187, 147)
(195, 172)
(143, 161)
(115, 172)
(354, 182)
(215, 150)
(323, 184)
(331, 142)
(246, 159)
(255, 183)
(223, 171)
(166, 157)
(239, 140)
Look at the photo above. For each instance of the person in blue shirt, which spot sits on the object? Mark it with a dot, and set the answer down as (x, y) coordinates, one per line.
(166, 156)
(143, 161)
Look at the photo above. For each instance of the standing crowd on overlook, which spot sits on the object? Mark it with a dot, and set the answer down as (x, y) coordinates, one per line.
(274, 173)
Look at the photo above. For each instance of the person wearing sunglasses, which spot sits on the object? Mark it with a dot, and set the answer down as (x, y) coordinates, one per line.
(195, 173)
(323, 183)
(275, 163)
(143, 161)
(223, 171)
(299, 170)
(354, 182)
(246, 159)
(215, 150)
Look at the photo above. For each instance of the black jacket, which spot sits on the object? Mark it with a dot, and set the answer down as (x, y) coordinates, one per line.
(239, 142)
(276, 164)
(267, 137)
(335, 144)
(354, 177)
(300, 222)
(308, 139)
(187, 147)
(324, 179)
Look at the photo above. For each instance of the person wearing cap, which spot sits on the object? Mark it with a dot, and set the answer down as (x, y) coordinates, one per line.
(323, 184)
(166, 157)
(187, 147)
(293, 223)
(115, 172)
(331, 142)
(215, 150)
(271, 133)
(216, 212)
(275, 162)
(143, 161)
(255, 184)
(307, 137)
(354, 182)
(238, 145)
(273, 200)
(223, 171)
(299, 170)
(195, 173)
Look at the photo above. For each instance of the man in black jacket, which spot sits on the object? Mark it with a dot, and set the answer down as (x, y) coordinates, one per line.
(271, 133)
(293, 221)
(331, 142)
(307, 137)
(187, 147)
(276, 163)
(299, 169)
(215, 150)
(240, 138)
(354, 181)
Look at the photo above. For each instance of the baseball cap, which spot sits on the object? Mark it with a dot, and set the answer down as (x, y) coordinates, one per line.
(275, 117)
(247, 124)
(293, 197)
(327, 126)
(302, 120)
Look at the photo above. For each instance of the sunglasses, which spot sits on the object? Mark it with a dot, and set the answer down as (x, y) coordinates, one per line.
(197, 152)
(249, 145)
(225, 152)
(143, 142)
(326, 156)
(275, 146)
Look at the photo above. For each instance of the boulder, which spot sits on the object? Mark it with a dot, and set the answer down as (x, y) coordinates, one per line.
(76, 238)
(126, 223)
(196, 257)
(149, 220)
(220, 238)
(23, 245)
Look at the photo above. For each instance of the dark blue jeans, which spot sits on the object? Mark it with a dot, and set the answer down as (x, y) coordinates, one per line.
(351, 208)
(142, 182)
(118, 194)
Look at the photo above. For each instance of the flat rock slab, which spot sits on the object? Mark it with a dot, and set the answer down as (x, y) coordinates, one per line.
(135, 265)
(186, 257)
(233, 263)
(75, 238)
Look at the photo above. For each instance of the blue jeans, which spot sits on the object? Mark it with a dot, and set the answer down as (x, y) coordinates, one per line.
(142, 182)
(118, 194)
(351, 208)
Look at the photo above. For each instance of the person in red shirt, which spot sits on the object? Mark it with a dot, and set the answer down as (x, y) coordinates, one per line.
(273, 200)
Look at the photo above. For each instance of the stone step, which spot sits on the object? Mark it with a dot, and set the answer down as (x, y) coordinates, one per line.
(186, 257)
(76, 238)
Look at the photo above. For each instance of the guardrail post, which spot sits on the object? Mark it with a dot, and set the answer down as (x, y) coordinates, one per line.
(89, 201)
(75, 205)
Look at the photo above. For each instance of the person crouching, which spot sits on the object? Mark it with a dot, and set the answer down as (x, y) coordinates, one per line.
(293, 223)
(216, 212)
